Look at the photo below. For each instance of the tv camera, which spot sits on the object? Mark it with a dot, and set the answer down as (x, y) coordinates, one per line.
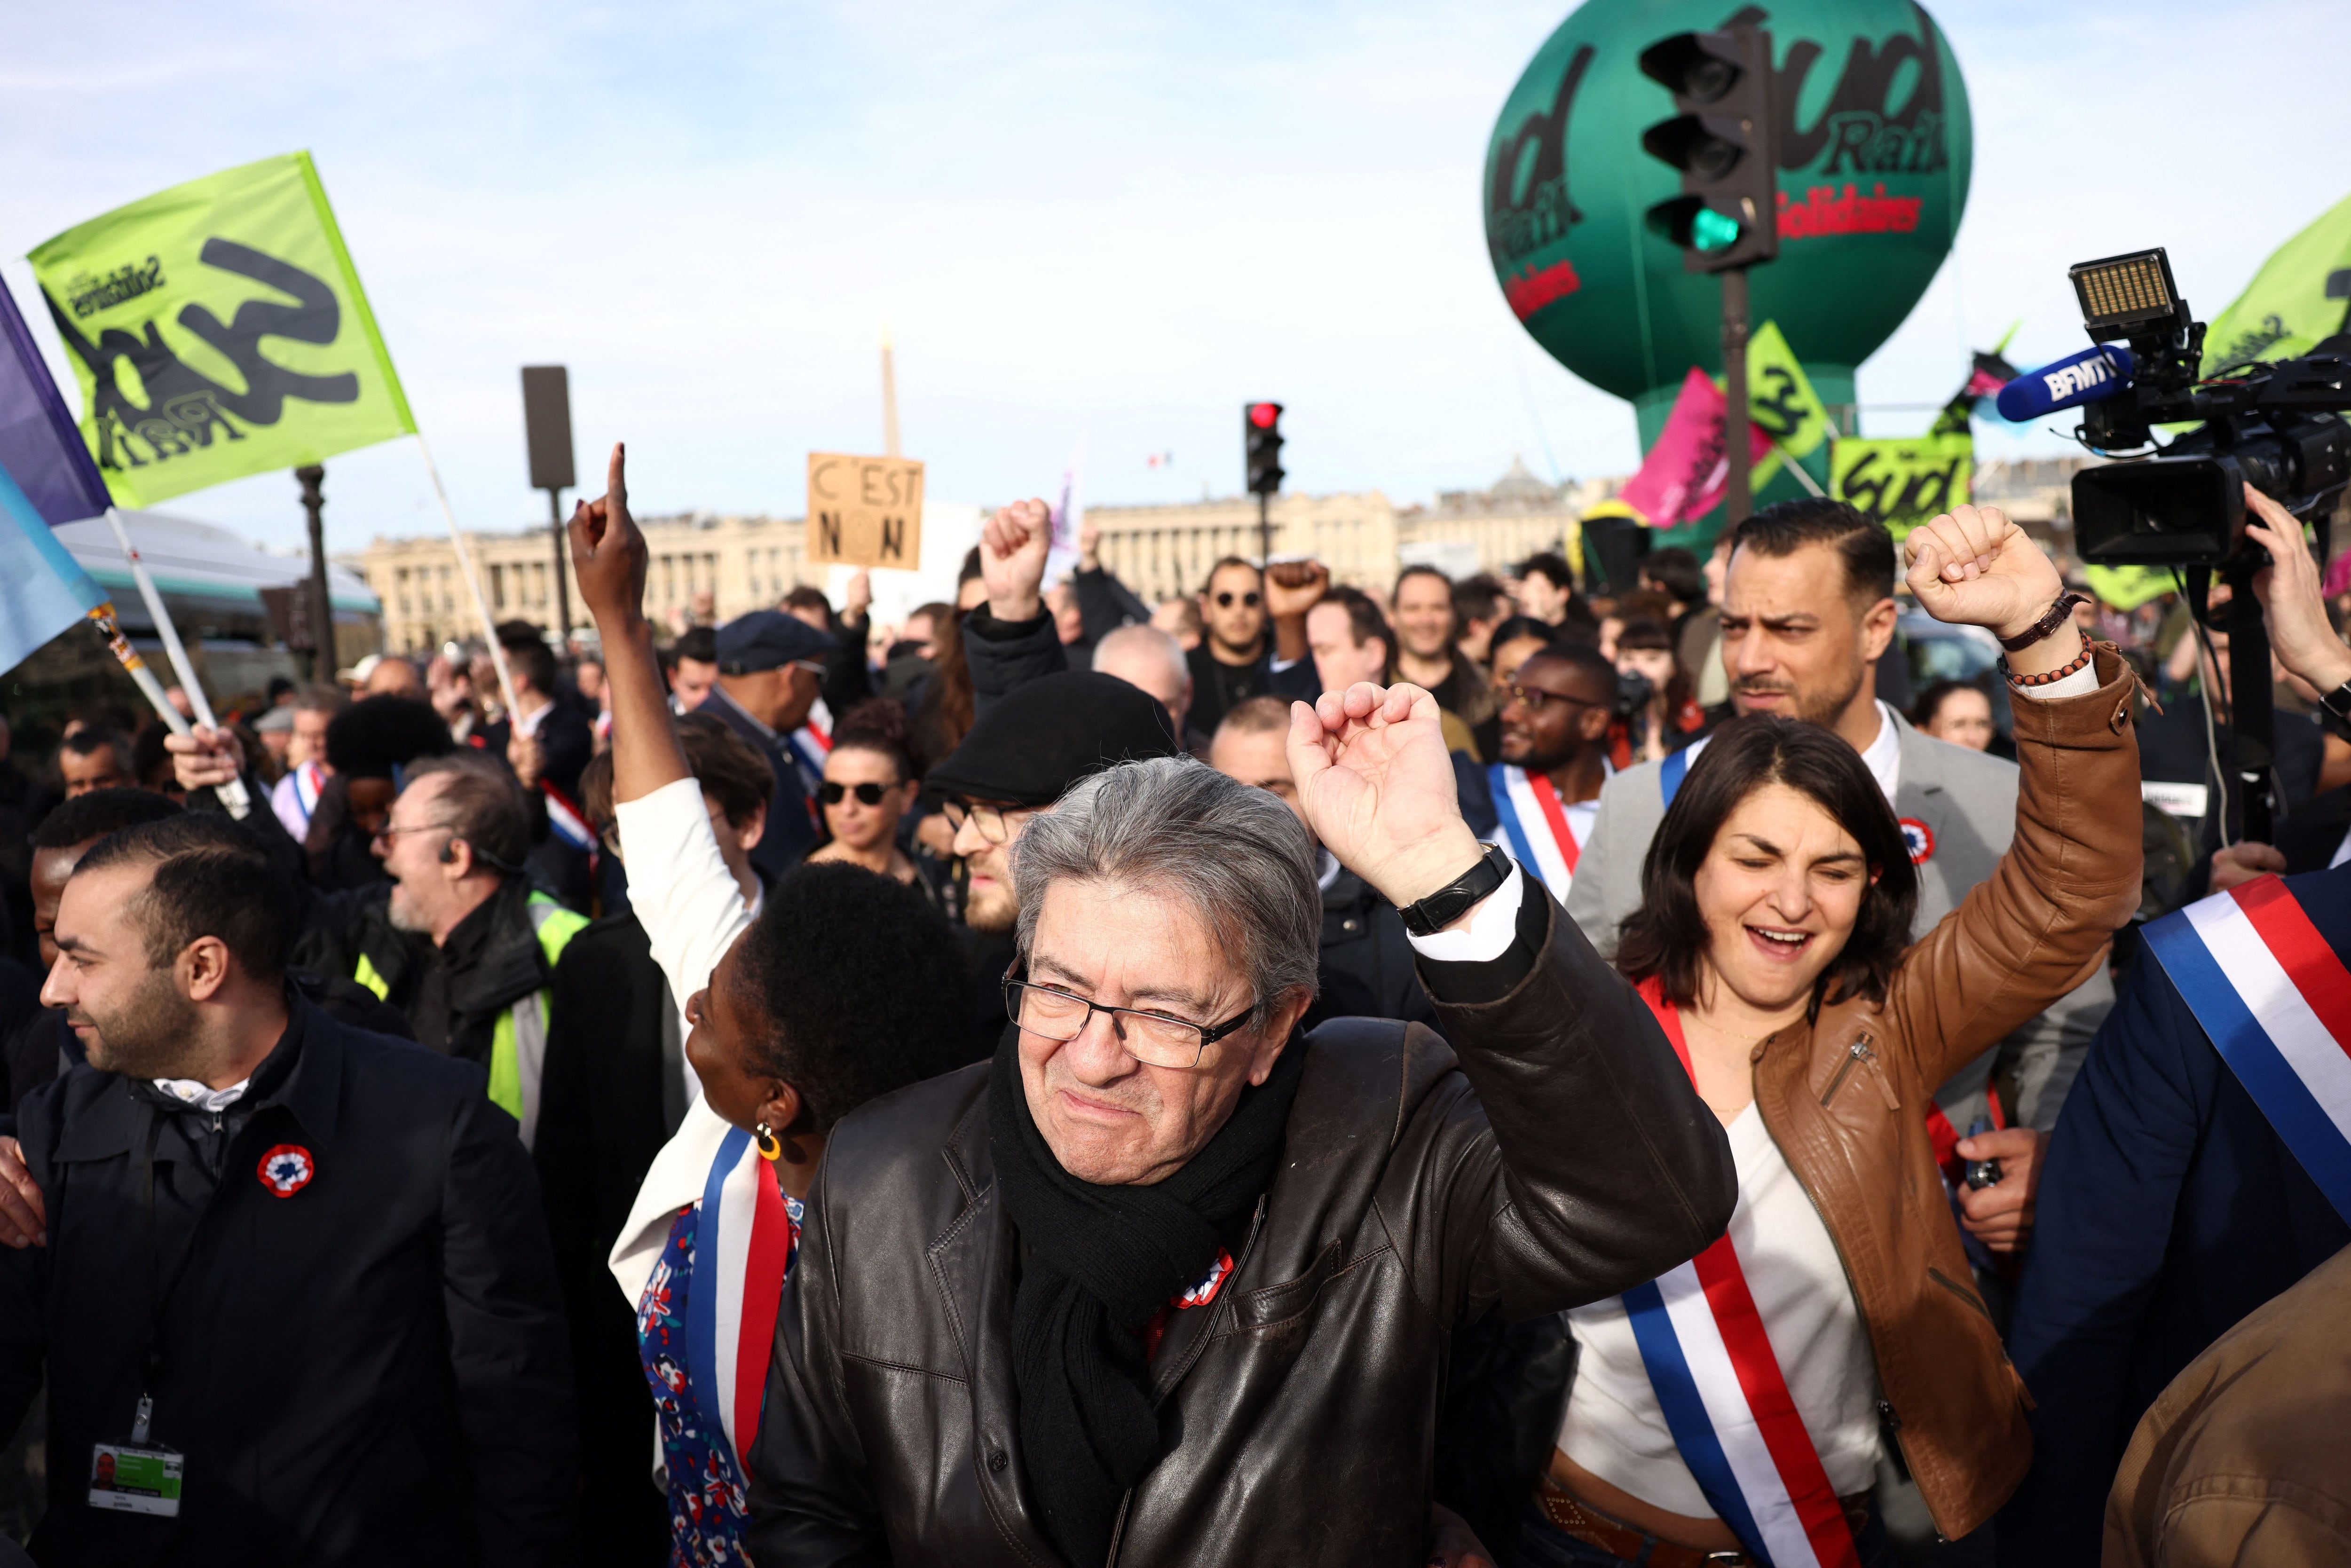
(2278, 427)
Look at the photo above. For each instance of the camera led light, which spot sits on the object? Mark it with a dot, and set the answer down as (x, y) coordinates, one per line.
(2125, 290)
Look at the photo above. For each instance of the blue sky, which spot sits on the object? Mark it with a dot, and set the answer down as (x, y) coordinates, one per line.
(1106, 223)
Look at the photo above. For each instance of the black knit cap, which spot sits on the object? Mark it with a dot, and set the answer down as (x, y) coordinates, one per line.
(1037, 740)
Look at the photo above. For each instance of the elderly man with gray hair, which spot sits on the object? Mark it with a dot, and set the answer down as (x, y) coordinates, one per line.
(1168, 1280)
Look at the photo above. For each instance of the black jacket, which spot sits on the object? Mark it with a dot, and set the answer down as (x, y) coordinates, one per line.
(1366, 966)
(611, 1094)
(1560, 1157)
(451, 995)
(567, 739)
(791, 820)
(370, 1370)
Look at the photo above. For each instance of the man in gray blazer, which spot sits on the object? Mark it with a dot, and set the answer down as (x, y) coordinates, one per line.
(1808, 610)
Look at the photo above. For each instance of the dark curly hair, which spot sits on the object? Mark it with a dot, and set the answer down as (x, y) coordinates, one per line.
(862, 983)
(1667, 935)
(879, 725)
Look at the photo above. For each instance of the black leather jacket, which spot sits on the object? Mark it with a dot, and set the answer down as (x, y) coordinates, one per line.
(1560, 1157)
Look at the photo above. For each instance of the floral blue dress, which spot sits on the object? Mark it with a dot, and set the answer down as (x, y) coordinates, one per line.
(708, 1509)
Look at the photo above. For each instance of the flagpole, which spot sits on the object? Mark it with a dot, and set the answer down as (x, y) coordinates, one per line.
(232, 794)
(473, 586)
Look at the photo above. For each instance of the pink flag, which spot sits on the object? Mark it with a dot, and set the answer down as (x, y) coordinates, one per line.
(1683, 477)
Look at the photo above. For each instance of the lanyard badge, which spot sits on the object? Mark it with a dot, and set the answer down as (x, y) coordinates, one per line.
(135, 1476)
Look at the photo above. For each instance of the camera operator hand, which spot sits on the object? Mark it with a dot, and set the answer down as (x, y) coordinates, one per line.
(1973, 566)
(2292, 606)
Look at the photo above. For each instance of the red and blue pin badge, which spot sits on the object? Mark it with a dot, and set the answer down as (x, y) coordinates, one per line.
(1921, 838)
(287, 1170)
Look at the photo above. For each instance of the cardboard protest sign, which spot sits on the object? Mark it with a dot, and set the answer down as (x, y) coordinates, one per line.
(864, 511)
(234, 306)
(1906, 482)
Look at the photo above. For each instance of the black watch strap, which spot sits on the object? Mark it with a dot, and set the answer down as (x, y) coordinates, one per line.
(1458, 897)
(2337, 702)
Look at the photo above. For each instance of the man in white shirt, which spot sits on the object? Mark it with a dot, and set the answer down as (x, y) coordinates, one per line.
(1543, 798)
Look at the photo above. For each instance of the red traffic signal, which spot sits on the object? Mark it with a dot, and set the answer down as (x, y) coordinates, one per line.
(1265, 415)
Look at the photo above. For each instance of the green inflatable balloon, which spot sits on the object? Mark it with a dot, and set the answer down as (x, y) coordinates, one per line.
(1874, 160)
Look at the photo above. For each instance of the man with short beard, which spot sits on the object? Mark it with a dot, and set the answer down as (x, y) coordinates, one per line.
(1019, 758)
(295, 1251)
(1807, 611)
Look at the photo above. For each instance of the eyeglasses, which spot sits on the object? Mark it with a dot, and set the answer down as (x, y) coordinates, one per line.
(996, 823)
(1535, 697)
(389, 834)
(1156, 1040)
(1224, 600)
(868, 793)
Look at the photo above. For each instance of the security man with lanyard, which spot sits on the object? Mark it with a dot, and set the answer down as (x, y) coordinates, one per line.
(291, 1296)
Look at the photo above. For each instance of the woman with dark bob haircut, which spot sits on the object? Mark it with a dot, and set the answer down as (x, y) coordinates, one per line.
(1739, 1405)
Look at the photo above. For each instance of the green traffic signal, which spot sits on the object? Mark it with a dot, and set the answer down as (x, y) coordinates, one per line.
(1709, 230)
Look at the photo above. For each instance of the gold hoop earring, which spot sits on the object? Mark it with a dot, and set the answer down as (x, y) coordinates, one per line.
(770, 1149)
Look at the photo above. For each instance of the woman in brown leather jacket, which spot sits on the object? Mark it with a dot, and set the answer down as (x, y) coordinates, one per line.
(1734, 1409)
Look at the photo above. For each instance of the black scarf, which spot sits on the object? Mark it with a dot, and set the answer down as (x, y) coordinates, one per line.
(1101, 1261)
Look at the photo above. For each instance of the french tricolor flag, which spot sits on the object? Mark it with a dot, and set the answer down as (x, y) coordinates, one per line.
(1534, 824)
(2276, 999)
(743, 1241)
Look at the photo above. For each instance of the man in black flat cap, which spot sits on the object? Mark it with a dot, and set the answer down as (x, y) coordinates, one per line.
(1021, 756)
(770, 670)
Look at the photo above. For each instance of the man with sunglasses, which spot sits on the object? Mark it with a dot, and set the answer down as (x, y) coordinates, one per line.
(1543, 795)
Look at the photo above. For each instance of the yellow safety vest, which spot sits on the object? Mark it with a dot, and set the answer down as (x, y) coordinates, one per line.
(518, 1042)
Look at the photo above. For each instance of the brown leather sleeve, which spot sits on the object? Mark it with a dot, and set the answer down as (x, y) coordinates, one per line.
(2036, 927)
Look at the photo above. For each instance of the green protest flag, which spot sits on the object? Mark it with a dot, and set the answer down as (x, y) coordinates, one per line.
(1903, 483)
(218, 329)
(2126, 588)
(1780, 396)
(2302, 294)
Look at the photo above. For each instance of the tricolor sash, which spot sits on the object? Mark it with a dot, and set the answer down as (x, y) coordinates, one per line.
(1676, 767)
(1725, 1399)
(811, 745)
(1533, 820)
(569, 822)
(743, 1241)
(2276, 999)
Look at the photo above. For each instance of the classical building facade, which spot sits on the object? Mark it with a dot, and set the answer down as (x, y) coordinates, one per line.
(748, 562)
(743, 563)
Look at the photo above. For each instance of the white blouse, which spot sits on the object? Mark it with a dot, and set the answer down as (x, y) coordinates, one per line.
(1614, 1426)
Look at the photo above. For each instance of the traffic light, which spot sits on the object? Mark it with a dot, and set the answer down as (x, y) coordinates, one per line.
(1723, 142)
(1261, 431)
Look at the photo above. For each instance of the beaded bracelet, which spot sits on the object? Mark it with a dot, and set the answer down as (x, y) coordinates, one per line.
(2081, 661)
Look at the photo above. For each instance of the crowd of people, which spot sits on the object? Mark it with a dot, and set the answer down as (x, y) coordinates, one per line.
(1534, 1070)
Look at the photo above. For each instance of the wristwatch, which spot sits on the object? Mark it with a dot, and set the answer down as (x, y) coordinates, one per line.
(1458, 897)
(2337, 703)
